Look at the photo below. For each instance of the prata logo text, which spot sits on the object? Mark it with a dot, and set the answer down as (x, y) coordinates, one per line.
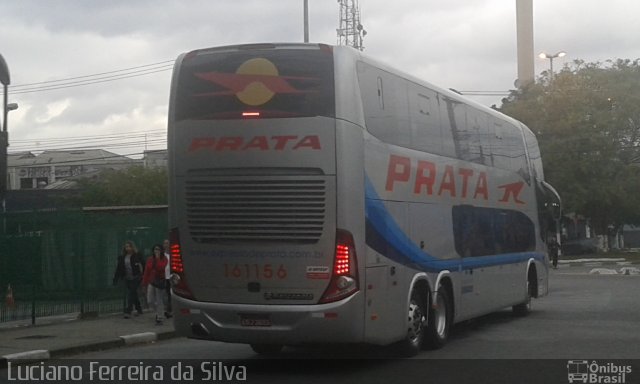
(255, 143)
(430, 179)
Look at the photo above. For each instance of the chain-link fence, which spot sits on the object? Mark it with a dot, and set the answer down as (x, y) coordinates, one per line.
(60, 262)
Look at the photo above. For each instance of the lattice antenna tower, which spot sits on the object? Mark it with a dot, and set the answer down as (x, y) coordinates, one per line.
(351, 31)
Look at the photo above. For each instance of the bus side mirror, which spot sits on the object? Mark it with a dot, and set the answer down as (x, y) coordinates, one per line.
(552, 201)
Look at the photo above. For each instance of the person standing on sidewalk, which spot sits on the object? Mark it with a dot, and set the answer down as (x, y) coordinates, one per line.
(155, 281)
(130, 268)
(167, 273)
(553, 251)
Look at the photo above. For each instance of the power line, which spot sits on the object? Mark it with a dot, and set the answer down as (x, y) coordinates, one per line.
(96, 146)
(94, 75)
(151, 137)
(85, 160)
(87, 82)
(111, 135)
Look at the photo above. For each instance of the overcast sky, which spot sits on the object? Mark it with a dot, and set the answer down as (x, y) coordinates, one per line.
(469, 45)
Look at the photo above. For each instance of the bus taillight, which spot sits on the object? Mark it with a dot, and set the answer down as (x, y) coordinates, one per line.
(344, 277)
(178, 281)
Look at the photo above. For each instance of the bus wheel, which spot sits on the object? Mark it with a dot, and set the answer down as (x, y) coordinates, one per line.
(440, 318)
(524, 308)
(266, 349)
(416, 318)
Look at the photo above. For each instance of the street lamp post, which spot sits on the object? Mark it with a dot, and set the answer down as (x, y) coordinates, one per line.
(544, 55)
(5, 80)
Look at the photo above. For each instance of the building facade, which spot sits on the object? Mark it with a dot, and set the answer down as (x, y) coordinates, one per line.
(29, 171)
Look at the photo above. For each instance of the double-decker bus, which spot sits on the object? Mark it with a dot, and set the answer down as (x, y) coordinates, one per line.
(319, 196)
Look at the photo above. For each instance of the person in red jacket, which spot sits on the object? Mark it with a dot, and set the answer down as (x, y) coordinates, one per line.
(155, 281)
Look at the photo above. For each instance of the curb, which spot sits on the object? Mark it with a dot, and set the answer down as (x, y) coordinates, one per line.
(122, 341)
(139, 338)
(624, 271)
(25, 357)
(594, 263)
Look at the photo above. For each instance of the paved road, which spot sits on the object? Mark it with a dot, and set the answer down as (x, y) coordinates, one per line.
(584, 316)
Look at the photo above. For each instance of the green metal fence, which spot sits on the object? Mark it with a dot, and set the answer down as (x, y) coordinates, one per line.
(60, 262)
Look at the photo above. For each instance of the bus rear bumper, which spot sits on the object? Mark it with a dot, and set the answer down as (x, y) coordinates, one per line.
(339, 322)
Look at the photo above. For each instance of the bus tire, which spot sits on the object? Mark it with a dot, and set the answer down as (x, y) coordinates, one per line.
(524, 308)
(266, 349)
(440, 319)
(416, 319)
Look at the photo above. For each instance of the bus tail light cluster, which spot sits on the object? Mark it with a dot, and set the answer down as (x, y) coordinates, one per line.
(344, 276)
(178, 281)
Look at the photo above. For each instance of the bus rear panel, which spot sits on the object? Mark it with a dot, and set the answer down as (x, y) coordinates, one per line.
(256, 247)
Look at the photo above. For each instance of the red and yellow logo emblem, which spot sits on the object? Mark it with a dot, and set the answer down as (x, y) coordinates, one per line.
(255, 82)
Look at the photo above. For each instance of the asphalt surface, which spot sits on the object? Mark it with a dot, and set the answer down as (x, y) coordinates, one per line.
(586, 316)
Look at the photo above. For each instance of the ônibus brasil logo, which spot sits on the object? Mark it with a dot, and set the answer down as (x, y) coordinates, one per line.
(592, 372)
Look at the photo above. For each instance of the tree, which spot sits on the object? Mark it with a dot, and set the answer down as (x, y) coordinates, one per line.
(133, 186)
(587, 121)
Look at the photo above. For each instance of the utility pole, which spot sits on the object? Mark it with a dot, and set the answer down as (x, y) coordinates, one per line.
(4, 135)
(306, 21)
(351, 32)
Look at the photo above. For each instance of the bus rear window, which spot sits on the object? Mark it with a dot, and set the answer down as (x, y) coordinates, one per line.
(262, 83)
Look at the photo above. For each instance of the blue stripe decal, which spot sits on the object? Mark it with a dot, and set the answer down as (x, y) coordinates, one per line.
(386, 237)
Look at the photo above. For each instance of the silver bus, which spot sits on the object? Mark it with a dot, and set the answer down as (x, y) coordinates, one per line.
(319, 196)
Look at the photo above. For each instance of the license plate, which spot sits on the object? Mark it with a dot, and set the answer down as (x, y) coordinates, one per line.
(255, 320)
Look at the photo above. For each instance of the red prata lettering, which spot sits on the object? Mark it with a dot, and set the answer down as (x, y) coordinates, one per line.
(312, 142)
(260, 143)
(481, 187)
(394, 174)
(230, 143)
(400, 170)
(466, 174)
(448, 182)
(426, 180)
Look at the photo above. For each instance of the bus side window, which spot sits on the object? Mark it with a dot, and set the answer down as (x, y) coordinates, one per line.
(469, 136)
(386, 105)
(534, 154)
(488, 231)
(509, 149)
(424, 104)
(426, 130)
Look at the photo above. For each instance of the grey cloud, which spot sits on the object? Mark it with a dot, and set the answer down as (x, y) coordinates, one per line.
(457, 43)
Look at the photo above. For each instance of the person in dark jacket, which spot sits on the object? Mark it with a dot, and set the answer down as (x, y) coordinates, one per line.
(166, 246)
(130, 269)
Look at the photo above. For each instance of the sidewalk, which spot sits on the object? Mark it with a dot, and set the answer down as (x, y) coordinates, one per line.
(589, 260)
(598, 265)
(66, 335)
